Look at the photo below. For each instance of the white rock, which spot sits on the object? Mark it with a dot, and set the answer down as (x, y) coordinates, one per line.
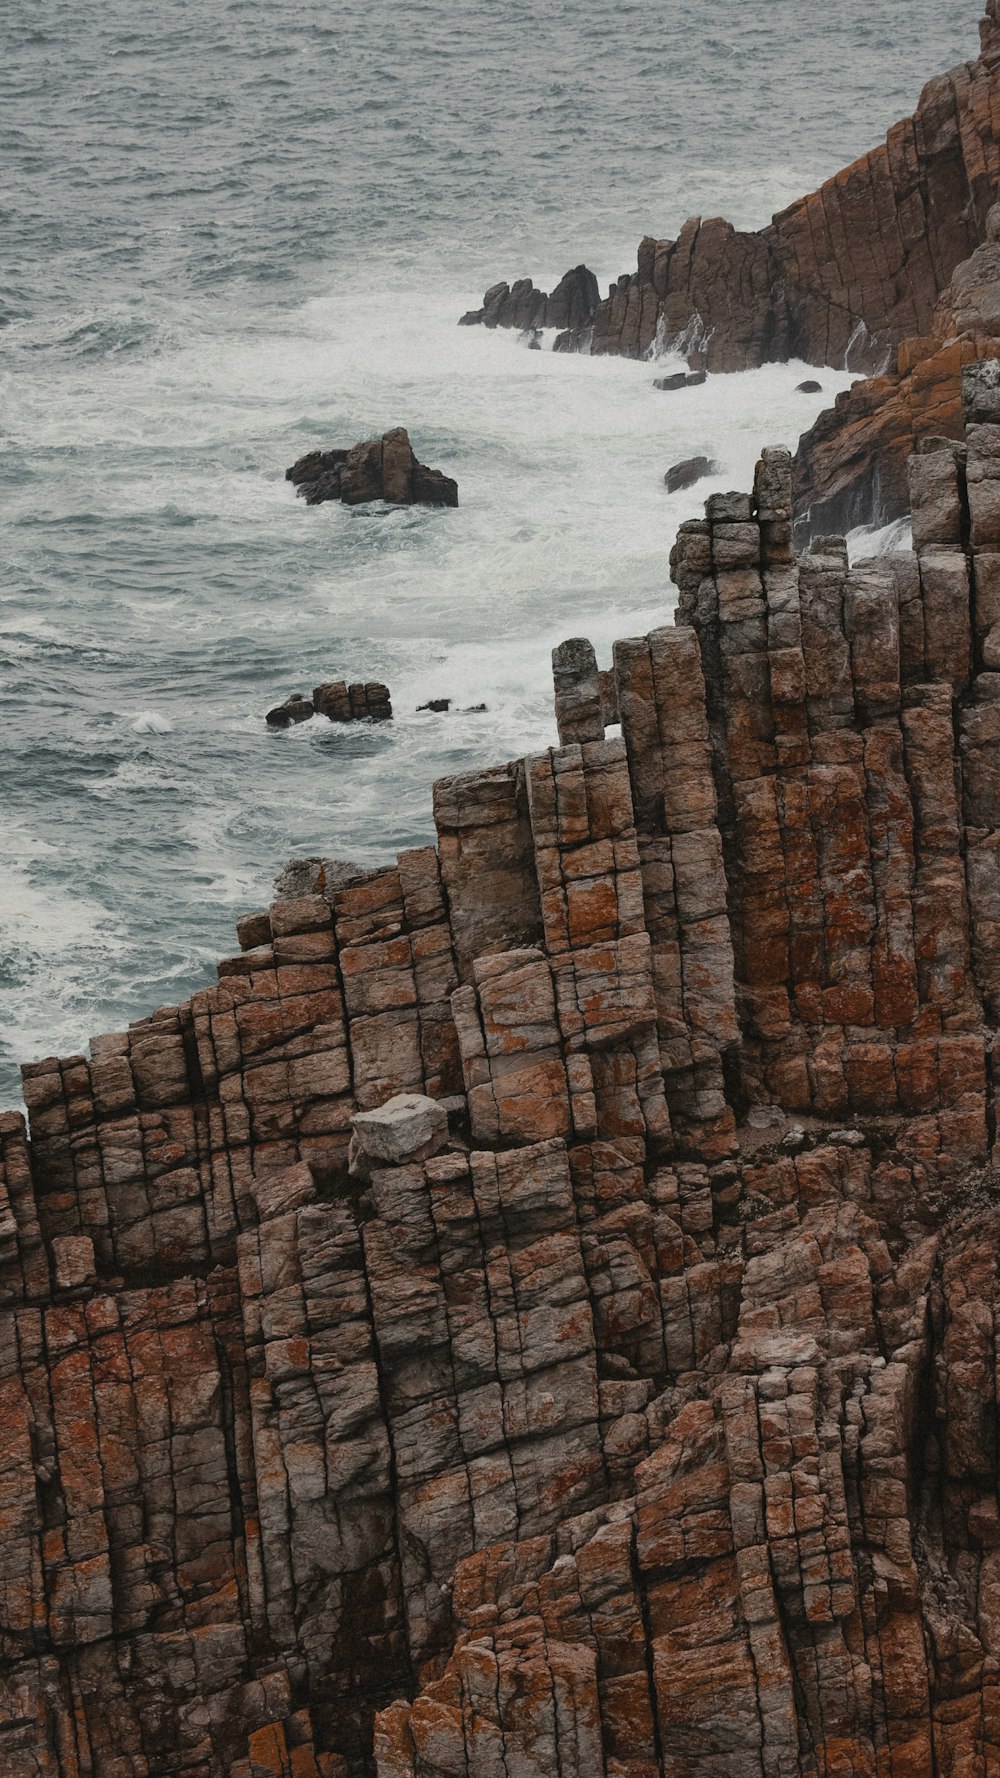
(408, 1127)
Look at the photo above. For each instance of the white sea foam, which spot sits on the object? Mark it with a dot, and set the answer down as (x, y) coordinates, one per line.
(152, 722)
(879, 540)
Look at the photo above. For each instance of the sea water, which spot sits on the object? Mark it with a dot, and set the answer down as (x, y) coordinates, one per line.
(237, 231)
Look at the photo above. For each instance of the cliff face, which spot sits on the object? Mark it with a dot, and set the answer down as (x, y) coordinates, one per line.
(850, 469)
(650, 1426)
(845, 275)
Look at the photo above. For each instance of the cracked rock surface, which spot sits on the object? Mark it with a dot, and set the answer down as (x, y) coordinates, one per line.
(634, 1409)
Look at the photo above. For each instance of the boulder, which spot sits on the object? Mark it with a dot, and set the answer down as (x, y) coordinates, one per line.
(437, 705)
(676, 380)
(809, 387)
(294, 709)
(687, 472)
(378, 469)
(408, 1127)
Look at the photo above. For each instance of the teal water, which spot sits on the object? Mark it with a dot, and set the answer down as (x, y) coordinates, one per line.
(234, 231)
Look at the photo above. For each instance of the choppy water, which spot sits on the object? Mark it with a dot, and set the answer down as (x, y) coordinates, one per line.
(235, 230)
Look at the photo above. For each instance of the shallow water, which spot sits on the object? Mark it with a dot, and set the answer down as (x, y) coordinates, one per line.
(242, 231)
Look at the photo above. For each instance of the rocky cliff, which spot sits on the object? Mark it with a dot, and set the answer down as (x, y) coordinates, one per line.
(850, 468)
(647, 1421)
(841, 277)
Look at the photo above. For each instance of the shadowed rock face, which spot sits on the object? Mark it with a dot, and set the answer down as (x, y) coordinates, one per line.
(635, 1413)
(851, 467)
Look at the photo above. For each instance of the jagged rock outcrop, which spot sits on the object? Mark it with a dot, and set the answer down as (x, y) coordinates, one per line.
(379, 469)
(843, 276)
(571, 306)
(631, 1408)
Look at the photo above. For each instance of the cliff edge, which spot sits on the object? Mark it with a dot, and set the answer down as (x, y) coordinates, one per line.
(648, 1425)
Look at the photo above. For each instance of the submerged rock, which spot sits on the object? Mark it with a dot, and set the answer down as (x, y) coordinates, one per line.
(809, 387)
(682, 379)
(687, 472)
(378, 469)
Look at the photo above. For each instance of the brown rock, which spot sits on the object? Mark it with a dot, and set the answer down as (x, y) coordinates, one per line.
(629, 1406)
(380, 469)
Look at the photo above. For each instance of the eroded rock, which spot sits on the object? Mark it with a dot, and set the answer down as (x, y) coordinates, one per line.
(379, 469)
(537, 1311)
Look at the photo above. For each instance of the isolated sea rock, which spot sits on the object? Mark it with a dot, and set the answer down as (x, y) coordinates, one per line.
(809, 387)
(340, 702)
(570, 308)
(687, 472)
(379, 469)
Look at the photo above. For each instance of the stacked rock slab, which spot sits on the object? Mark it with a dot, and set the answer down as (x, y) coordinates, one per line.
(340, 702)
(631, 1408)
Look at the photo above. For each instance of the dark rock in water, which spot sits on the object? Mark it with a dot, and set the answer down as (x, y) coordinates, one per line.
(474, 709)
(378, 469)
(809, 387)
(695, 378)
(535, 340)
(317, 475)
(340, 702)
(438, 705)
(294, 709)
(685, 474)
(571, 307)
(678, 380)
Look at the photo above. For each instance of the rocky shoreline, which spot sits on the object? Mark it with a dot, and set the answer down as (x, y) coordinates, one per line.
(891, 269)
(638, 1416)
(536, 1316)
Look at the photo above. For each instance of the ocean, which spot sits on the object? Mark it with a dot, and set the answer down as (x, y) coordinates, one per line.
(235, 232)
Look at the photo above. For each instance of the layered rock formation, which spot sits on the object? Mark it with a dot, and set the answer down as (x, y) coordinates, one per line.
(340, 702)
(643, 1420)
(842, 277)
(379, 469)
